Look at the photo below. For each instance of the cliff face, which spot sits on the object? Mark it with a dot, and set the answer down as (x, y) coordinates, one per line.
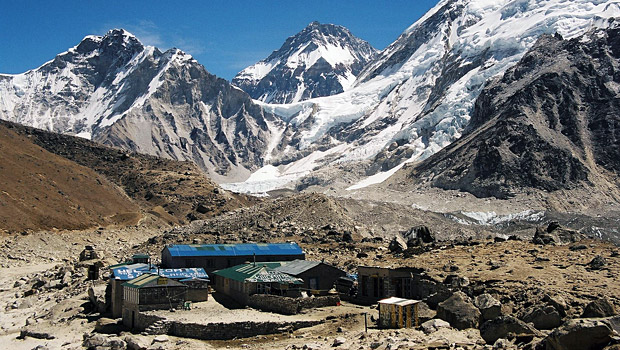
(551, 122)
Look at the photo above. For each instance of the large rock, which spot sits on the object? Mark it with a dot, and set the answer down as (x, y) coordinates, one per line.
(543, 317)
(425, 313)
(501, 326)
(489, 307)
(108, 326)
(137, 342)
(556, 234)
(432, 326)
(456, 281)
(98, 341)
(459, 311)
(583, 334)
(419, 235)
(558, 302)
(397, 245)
(601, 307)
(597, 263)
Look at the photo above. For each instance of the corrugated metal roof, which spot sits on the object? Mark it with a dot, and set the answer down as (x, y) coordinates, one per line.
(398, 301)
(296, 267)
(152, 280)
(261, 272)
(128, 272)
(246, 249)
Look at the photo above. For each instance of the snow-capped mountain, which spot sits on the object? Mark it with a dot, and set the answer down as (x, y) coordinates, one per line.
(548, 123)
(321, 60)
(116, 91)
(417, 96)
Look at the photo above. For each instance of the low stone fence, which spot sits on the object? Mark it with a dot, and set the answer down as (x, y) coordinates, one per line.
(290, 306)
(227, 331)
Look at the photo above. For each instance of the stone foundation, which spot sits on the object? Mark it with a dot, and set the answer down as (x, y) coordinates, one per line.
(214, 331)
(290, 306)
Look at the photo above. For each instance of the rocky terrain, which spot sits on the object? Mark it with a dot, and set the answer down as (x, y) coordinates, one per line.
(321, 60)
(40, 190)
(488, 293)
(547, 124)
(134, 186)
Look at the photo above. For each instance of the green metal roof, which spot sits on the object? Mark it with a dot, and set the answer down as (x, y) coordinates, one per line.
(260, 272)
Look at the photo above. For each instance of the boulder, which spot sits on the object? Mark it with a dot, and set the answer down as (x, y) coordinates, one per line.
(108, 326)
(543, 317)
(96, 295)
(433, 325)
(137, 342)
(501, 326)
(557, 302)
(162, 338)
(489, 307)
(34, 333)
(419, 235)
(459, 311)
(583, 334)
(556, 234)
(425, 313)
(597, 263)
(397, 245)
(339, 341)
(456, 281)
(601, 307)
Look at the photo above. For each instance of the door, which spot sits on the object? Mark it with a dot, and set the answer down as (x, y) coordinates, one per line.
(313, 282)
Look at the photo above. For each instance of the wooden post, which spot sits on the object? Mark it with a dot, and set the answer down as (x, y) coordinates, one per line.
(365, 322)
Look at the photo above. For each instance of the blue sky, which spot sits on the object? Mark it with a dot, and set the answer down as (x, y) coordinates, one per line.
(224, 36)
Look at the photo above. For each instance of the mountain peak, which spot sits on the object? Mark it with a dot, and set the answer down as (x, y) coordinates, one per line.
(320, 60)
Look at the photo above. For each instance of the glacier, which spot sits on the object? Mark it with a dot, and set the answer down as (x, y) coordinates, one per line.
(421, 89)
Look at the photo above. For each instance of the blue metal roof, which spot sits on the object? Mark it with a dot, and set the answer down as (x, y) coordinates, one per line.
(246, 249)
(128, 272)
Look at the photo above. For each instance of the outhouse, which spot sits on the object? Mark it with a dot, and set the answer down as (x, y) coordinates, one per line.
(398, 313)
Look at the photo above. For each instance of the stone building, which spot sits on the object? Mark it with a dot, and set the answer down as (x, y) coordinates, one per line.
(151, 292)
(375, 283)
(318, 277)
(213, 257)
(242, 281)
(122, 273)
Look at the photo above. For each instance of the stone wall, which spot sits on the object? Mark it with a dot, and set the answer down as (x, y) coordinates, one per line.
(227, 331)
(290, 306)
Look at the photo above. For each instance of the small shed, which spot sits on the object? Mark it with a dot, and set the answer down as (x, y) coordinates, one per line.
(318, 277)
(241, 281)
(154, 292)
(198, 288)
(398, 313)
(141, 259)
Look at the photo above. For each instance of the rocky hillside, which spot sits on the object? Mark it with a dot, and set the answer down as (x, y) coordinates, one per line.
(40, 190)
(549, 123)
(321, 60)
(175, 192)
(116, 91)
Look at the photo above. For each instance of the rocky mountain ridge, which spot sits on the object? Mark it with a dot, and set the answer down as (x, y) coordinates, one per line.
(549, 123)
(321, 60)
(115, 91)
(102, 185)
(417, 96)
